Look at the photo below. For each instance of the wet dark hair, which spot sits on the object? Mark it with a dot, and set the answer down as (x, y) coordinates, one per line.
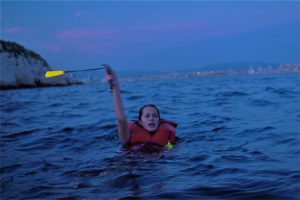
(147, 105)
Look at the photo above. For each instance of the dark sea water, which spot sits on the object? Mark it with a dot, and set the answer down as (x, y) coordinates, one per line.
(239, 138)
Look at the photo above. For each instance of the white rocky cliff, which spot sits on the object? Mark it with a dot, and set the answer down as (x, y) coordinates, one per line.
(20, 67)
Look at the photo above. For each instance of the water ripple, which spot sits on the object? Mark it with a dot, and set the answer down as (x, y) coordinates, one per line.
(237, 138)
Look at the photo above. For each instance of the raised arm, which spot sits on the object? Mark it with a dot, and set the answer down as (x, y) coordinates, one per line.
(123, 130)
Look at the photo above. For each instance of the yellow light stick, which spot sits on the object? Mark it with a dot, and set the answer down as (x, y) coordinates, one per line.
(50, 74)
(169, 145)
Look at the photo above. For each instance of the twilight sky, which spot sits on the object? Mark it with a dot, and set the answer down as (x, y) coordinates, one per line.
(154, 35)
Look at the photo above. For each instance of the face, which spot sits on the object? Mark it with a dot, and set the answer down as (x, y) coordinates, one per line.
(150, 119)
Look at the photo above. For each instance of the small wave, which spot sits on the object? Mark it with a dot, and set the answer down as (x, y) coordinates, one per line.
(261, 102)
(295, 176)
(41, 191)
(134, 97)
(5, 182)
(91, 172)
(108, 137)
(46, 166)
(56, 105)
(84, 173)
(235, 158)
(198, 158)
(106, 127)
(124, 179)
(288, 141)
(199, 169)
(67, 130)
(17, 135)
(284, 92)
(256, 152)
(81, 185)
(226, 171)
(13, 106)
(12, 124)
(69, 197)
(272, 173)
(9, 168)
(258, 130)
(215, 120)
(81, 104)
(235, 192)
(220, 128)
(126, 92)
(234, 148)
(233, 94)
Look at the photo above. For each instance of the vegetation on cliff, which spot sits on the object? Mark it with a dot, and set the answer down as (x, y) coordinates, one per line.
(18, 50)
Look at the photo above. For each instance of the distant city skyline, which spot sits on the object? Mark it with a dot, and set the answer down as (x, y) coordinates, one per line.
(154, 35)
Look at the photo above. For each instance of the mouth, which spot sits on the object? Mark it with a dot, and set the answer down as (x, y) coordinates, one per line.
(151, 125)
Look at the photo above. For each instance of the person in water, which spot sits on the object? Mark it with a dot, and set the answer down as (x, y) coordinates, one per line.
(149, 128)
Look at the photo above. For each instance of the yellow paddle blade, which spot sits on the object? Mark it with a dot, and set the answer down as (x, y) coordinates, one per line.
(50, 74)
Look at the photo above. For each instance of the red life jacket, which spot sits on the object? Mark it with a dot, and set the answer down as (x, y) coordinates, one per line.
(164, 133)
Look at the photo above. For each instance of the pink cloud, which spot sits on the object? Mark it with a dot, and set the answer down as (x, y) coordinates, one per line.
(96, 48)
(95, 41)
(14, 30)
(177, 26)
(84, 33)
(199, 28)
(20, 30)
(202, 29)
(80, 13)
(51, 48)
(141, 33)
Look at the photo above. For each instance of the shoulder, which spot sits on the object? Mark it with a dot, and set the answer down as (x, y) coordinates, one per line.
(166, 122)
(166, 125)
(133, 124)
(130, 123)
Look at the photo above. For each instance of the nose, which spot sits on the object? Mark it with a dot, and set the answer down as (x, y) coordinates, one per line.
(151, 118)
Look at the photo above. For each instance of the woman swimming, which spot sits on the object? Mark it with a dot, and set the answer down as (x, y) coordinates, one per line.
(149, 128)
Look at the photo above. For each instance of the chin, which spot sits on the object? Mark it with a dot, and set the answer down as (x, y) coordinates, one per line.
(152, 129)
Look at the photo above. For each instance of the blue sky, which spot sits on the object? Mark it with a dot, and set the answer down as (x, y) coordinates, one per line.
(154, 35)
